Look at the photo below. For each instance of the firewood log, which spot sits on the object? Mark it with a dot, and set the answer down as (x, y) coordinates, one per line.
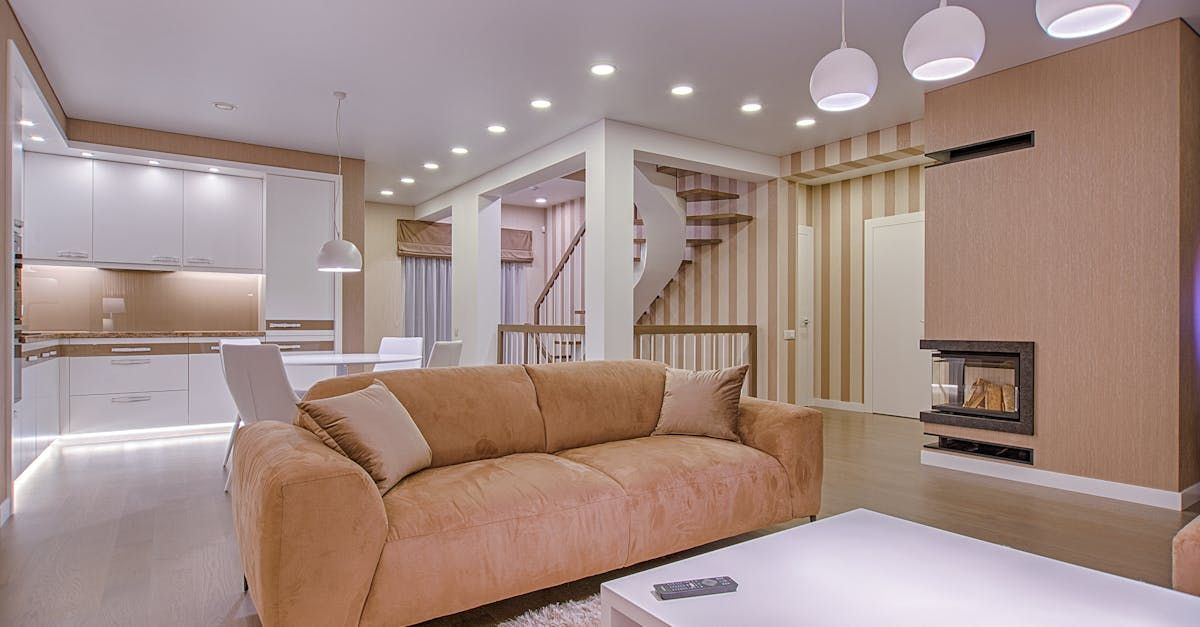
(976, 398)
(1010, 397)
(995, 398)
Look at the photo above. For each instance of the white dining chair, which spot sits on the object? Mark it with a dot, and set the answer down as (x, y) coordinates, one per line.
(240, 341)
(258, 384)
(445, 354)
(401, 346)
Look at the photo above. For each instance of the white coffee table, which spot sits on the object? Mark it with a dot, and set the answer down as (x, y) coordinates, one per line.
(344, 360)
(865, 568)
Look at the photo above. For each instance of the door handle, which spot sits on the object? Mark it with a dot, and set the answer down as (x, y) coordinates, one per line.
(132, 349)
(129, 362)
(164, 259)
(200, 260)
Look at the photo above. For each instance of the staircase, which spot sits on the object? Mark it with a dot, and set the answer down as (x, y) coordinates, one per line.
(673, 216)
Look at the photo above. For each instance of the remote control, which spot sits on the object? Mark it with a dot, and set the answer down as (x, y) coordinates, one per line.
(694, 588)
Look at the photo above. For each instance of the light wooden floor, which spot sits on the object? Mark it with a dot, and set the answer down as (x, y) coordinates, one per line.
(141, 533)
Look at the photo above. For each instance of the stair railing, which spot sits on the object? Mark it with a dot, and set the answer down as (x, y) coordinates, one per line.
(562, 301)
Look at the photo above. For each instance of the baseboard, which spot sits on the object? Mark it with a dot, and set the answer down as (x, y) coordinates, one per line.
(1154, 497)
(5, 511)
(829, 403)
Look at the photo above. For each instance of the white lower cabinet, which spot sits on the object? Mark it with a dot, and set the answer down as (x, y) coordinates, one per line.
(128, 372)
(208, 395)
(132, 410)
(36, 417)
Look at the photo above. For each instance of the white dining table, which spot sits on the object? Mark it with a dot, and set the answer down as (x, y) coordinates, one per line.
(343, 361)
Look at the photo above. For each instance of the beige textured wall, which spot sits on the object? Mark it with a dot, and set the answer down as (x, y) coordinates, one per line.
(382, 276)
(1077, 245)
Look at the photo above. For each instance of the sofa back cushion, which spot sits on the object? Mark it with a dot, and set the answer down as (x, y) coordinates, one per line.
(465, 414)
(592, 402)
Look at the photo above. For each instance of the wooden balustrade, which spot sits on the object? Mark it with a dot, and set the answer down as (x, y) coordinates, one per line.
(685, 346)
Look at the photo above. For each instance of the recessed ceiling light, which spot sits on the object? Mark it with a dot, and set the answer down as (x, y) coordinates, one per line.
(540, 201)
(152, 162)
(459, 150)
(37, 138)
(540, 103)
(751, 107)
(214, 170)
(682, 90)
(86, 154)
(805, 122)
(497, 129)
(27, 123)
(408, 180)
(429, 165)
(603, 69)
(386, 192)
(224, 106)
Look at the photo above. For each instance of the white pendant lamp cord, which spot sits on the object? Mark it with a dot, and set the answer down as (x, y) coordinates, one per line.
(843, 23)
(337, 132)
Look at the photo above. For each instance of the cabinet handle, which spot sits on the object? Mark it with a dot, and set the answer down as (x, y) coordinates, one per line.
(200, 260)
(288, 347)
(131, 399)
(132, 349)
(165, 259)
(129, 362)
(284, 325)
(73, 254)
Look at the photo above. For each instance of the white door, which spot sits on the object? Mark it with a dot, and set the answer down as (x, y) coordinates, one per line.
(57, 207)
(222, 221)
(897, 372)
(137, 214)
(299, 221)
(804, 313)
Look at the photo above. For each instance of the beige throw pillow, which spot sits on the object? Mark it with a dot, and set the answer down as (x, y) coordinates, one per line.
(372, 428)
(702, 402)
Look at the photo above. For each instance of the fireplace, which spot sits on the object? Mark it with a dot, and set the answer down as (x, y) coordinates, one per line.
(981, 385)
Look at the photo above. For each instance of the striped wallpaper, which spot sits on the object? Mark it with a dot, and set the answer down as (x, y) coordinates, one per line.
(746, 279)
(862, 151)
(839, 210)
(562, 220)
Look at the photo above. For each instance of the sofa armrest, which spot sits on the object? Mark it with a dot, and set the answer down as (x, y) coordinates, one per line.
(1185, 558)
(792, 435)
(310, 523)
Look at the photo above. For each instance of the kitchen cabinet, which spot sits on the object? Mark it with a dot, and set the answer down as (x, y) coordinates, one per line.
(299, 219)
(133, 410)
(222, 221)
(46, 386)
(137, 214)
(208, 396)
(37, 416)
(57, 207)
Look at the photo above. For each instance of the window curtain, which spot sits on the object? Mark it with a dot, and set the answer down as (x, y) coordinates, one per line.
(514, 306)
(427, 299)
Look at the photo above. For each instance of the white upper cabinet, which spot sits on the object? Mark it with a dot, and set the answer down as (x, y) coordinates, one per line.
(137, 214)
(222, 221)
(58, 207)
(299, 221)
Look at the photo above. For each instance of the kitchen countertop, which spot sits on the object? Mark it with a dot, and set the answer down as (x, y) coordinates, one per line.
(38, 336)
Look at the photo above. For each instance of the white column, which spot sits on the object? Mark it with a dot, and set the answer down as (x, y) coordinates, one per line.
(476, 276)
(608, 255)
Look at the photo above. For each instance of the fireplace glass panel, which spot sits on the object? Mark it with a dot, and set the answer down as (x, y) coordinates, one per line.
(980, 384)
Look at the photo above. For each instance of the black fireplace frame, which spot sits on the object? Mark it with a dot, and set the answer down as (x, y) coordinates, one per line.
(978, 419)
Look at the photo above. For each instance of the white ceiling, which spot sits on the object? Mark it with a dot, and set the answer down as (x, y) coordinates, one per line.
(425, 76)
(555, 191)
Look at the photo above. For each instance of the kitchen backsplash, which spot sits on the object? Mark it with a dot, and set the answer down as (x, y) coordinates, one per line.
(61, 298)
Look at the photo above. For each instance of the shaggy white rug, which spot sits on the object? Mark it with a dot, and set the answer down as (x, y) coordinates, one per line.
(582, 613)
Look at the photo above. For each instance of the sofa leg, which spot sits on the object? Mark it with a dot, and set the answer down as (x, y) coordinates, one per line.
(812, 518)
(245, 584)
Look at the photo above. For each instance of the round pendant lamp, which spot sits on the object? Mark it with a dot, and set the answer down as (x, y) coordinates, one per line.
(338, 255)
(1069, 19)
(844, 79)
(946, 42)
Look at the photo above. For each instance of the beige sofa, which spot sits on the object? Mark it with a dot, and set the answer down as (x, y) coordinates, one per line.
(1186, 558)
(541, 475)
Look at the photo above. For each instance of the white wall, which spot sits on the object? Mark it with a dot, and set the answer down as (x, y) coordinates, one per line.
(384, 282)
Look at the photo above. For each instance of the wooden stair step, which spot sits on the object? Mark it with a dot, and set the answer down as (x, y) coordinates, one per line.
(719, 218)
(701, 195)
(674, 171)
(693, 242)
(639, 240)
(638, 222)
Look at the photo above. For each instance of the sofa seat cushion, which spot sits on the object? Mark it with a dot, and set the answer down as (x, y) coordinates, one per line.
(473, 533)
(688, 490)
